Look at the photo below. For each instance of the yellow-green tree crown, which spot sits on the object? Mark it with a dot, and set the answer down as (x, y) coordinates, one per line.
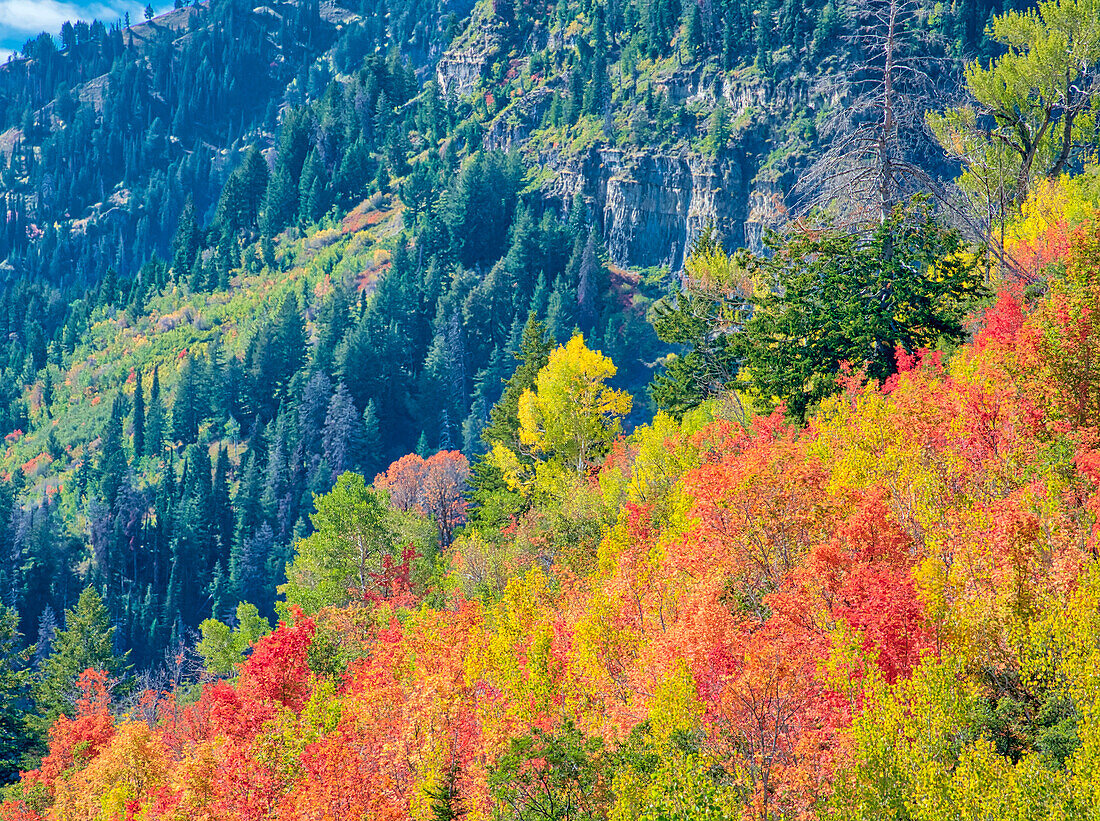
(572, 415)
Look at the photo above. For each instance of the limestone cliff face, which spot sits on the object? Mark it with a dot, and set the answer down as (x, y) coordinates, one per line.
(649, 203)
(461, 67)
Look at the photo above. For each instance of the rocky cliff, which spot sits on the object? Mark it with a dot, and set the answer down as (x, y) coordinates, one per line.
(649, 205)
(650, 202)
(461, 67)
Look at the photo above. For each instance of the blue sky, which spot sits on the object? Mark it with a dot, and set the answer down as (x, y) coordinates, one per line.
(21, 19)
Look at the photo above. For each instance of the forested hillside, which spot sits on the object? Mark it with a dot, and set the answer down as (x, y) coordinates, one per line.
(623, 409)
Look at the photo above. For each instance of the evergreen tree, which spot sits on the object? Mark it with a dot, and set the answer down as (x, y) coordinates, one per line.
(371, 450)
(15, 680)
(473, 427)
(560, 311)
(280, 206)
(243, 195)
(47, 629)
(311, 189)
(47, 391)
(492, 501)
(190, 407)
(533, 355)
(186, 242)
(112, 456)
(87, 642)
(139, 418)
(341, 437)
(588, 284)
(154, 423)
(694, 35)
(222, 508)
(248, 572)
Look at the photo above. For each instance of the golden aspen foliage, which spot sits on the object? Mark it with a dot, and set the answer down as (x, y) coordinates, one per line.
(572, 416)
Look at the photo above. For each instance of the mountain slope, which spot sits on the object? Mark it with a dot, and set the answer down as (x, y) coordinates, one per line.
(249, 248)
(888, 613)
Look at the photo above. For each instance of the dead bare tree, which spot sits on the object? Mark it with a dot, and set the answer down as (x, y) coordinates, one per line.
(880, 145)
(877, 137)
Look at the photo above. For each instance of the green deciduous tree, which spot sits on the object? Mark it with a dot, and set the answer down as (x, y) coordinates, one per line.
(1033, 109)
(337, 561)
(555, 776)
(222, 647)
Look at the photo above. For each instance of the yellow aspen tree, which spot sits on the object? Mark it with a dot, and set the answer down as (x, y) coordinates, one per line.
(572, 415)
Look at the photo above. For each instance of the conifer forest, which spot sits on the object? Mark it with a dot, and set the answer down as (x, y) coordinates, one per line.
(551, 410)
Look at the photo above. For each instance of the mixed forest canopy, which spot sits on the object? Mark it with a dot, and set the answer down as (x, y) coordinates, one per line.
(599, 409)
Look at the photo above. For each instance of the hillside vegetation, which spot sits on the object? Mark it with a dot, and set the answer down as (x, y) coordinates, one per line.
(568, 411)
(889, 612)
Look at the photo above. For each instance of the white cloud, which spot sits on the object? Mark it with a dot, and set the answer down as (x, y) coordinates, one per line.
(33, 16)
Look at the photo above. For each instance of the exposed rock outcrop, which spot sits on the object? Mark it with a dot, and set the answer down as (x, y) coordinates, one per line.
(460, 68)
(650, 205)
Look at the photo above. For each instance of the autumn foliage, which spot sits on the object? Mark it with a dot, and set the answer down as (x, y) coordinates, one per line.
(434, 486)
(888, 613)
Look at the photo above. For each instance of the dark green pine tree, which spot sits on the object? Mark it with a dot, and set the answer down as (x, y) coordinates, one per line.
(200, 487)
(341, 439)
(446, 800)
(190, 407)
(47, 391)
(139, 418)
(533, 354)
(53, 446)
(274, 355)
(561, 311)
(291, 340)
(591, 282)
(311, 189)
(694, 36)
(87, 642)
(243, 195)
(192, 547)
(154, 419)
(112, 456)
(280, 207)
(249, 578)
(371, 448)
(492, 500)
(222, 507)
(422, 449)
(15, 682)
(597, 92)
(185, 245)
(333, 323)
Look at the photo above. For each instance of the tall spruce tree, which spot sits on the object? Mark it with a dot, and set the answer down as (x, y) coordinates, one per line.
(112, 456)
(15, 680)
(533, 354)
(154, 421)
(87, 642)
(342, 434)
(139, 418)
(492, 501)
